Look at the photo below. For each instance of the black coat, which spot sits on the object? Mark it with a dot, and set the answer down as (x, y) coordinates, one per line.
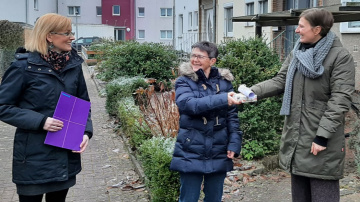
(29, 92)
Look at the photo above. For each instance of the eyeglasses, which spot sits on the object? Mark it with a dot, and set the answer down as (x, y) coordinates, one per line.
(64, 34)
(200, 57)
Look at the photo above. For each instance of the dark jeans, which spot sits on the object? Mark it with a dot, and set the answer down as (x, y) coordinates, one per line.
(305, 189)
(191, 185)
(57, 196)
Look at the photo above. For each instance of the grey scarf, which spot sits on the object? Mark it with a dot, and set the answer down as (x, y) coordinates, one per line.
(309, 63)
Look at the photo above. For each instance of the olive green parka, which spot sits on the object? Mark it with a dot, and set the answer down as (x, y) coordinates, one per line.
(318, 108)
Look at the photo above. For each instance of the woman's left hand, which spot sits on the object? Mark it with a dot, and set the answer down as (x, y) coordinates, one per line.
(315, 148)
(83, 144)
(230, 154)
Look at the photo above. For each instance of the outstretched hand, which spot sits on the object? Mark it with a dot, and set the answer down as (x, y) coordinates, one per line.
(231, 100)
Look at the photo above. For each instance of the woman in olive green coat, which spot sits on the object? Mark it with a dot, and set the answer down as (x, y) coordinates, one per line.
(317, 80)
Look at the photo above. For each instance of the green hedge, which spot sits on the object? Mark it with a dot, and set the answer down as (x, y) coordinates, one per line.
(252, 61)
(11, 37)
(131, 58)
(155, 155)
(129, 115)
(120, 88)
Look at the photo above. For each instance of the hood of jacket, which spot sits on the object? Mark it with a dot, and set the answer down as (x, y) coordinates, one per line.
(185, 69)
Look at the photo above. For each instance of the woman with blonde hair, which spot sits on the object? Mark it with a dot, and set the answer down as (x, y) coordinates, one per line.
(29, 93)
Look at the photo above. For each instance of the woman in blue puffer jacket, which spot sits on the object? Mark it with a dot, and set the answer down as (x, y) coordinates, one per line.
(209, 135)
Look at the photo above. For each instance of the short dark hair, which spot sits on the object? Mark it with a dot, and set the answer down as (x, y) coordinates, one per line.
(207, 46)
(319, 17)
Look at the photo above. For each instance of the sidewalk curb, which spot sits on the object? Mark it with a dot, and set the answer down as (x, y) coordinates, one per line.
(137, 166)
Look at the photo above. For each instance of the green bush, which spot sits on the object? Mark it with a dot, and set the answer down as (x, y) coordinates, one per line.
(129, 114)
(131, 58)
(120, 88)
(252, 149)
(11, 37)
(252, 61)
(155, 155)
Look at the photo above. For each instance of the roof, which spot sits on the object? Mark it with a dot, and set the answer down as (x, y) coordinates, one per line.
(291, 17)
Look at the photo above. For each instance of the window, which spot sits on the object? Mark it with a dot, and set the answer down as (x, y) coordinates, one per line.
(228, 25)
(349, 27)
(165, 12)
(141, 34)
(250, 11)
(263, 6)
(190, 23)
(356, 48)
(98, 11)
(166, 34)
(181, 25)
(36, 5)
(250, 8)
(196, 20)
(354, 24)
(141, 12)
(116, 10)
(74, 10)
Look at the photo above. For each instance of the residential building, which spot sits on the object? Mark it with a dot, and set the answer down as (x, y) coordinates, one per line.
(154, 21)
(26, 11)
(349, 33)
(207, 20)
(186, 26)
(86, 18)
(121, 15)
(227, 9)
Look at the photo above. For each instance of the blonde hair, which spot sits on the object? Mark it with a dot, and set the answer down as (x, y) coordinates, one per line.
(47, 23)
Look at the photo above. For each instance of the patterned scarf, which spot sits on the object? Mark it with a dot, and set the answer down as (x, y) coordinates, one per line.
(309, 63)
(57, 60)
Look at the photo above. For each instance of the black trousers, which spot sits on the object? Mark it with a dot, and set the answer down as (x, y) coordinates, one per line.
(57, 196)
(305, 189)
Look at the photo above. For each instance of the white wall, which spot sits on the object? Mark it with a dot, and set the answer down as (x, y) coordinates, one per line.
(189, 35)
(152, 22)
(87, 10)
(103, 31)
(23, 10)
(240, 29)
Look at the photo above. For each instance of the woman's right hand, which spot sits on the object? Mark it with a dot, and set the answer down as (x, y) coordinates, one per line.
(231, 100)
(53, 125)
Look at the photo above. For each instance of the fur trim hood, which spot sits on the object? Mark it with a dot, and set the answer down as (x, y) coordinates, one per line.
(185, 69)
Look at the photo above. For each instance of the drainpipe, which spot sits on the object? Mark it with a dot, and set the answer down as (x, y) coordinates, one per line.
(26, 11)
(174, 29)
(57, 6)
(214, 21)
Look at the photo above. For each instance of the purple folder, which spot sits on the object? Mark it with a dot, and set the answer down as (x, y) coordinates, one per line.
(73, 112)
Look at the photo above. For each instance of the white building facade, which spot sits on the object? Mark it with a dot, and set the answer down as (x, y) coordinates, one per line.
(154, 21)
(227, 9)
(26, 11)
(86, 18)
(186, 24)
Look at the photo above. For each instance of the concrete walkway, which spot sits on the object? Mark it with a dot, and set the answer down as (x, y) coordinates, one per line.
(108, 174)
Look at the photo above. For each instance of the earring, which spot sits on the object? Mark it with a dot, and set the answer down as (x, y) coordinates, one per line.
(51, 46)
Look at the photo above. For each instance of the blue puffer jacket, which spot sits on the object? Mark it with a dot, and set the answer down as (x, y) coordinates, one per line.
(208, 126)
